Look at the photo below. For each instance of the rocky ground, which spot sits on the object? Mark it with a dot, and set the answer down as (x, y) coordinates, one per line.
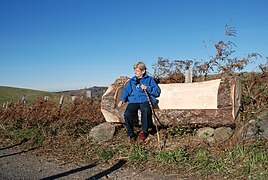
(16, 163)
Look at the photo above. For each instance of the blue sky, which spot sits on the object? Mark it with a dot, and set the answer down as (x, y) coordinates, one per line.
(56, 45)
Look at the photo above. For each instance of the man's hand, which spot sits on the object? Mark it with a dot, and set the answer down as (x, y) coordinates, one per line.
(121, 103)
(143, 87)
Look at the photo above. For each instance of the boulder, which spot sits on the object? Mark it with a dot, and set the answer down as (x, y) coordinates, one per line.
(223, 133)
(255, 128)
(212, 135)
(102, 132)
(205, 132)
(262, 124)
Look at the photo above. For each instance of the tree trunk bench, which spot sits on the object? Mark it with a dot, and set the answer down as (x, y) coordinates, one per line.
(211, 103)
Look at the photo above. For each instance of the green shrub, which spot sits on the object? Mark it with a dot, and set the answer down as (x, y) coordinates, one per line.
(137, 153)
(103, 153)
(31, 134)
(176, 156)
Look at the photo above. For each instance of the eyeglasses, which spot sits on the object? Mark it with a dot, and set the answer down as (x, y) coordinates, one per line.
(137, 70)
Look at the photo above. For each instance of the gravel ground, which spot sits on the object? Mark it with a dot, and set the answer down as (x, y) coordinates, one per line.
(22, 164)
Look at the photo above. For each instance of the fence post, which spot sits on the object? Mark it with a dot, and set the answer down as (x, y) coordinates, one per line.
(188, 76)
(60, 104)
(7, 104)
(89, 94)
(23, 99)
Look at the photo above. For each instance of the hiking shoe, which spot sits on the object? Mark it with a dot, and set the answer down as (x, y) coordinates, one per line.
(153, 130)
(132, 139)
(142, 136)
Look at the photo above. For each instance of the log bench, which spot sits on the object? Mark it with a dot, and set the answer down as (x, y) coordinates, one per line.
(211, 103)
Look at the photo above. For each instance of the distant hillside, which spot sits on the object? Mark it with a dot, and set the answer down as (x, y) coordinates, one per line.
(94, 91)
(8, 94)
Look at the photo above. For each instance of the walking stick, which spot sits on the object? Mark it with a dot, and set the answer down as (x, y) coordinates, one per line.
(154, 117)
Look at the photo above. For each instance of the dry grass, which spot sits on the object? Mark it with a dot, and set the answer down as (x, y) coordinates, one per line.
(61, 134)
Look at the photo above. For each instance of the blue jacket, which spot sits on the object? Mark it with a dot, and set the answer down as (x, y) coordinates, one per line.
(134, 94)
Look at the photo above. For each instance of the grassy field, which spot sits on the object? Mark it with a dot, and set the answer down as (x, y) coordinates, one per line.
(13, 94)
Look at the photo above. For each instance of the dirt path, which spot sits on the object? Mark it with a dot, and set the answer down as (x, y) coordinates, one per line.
(22, 164)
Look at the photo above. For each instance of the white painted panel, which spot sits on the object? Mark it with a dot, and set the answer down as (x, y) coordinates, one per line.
(198, 95)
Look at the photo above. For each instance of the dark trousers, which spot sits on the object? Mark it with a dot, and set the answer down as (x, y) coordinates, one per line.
(131, 114)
